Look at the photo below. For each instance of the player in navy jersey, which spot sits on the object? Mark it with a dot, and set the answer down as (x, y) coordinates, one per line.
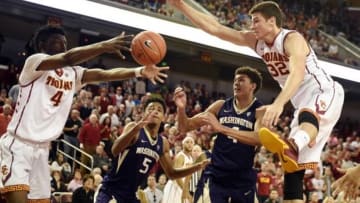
(135, 152)
(231, 174)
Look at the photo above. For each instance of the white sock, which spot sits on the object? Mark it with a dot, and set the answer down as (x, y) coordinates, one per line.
(301, 139)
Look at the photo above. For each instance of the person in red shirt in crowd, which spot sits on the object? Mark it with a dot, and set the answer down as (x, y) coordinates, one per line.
(264, 183)
(105, 132)
(89, 138)
(105, 99)
(5, 118)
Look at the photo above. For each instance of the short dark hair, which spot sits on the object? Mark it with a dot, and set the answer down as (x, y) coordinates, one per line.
(269, 9)
(44, 33)
(253, 74)
(155, 99)
(87, 177)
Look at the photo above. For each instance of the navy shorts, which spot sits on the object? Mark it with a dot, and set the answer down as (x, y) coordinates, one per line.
(221, 194)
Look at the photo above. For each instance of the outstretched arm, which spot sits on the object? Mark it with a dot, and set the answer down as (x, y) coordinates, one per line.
(185, 123)
(210, 25)
(84, 53)
(174, 173)
(129, 135)
(152, 72)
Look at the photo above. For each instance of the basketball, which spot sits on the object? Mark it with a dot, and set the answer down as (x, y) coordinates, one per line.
(148, 48)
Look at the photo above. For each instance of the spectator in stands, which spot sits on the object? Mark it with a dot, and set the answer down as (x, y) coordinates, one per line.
(89, 138)
(112, 114)
(273, 197)
(264, 182)
(85, 194)
(101, 159)
(57, 184)
(14, 91)
(71, 130)
(318, 185)
(76, 182)
(105, 132)
(161, 182)
(153, 194)
(5, 118)
(118, 96)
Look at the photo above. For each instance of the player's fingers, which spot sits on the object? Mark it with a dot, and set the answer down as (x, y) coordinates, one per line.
(125, 48)
(163, 68)
(276, 120)
(118, 52)
(153, 81)
(163, 75)
(159, 79)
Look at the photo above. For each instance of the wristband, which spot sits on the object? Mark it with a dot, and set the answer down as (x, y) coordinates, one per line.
(138, 72)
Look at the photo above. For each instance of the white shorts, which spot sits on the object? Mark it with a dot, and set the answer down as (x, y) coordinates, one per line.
(24, 167)
(328, 106)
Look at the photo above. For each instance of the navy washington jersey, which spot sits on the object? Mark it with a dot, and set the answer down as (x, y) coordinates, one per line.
(230, 159)
(132, 166)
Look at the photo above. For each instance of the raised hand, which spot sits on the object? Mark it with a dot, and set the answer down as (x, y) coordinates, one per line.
(180, 97)
(272, 114)
(118, 43)
(211, 120)
(349, 183)
(153, 73)
(145, 120)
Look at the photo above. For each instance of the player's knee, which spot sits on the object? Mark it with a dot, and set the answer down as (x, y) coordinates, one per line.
(309, 117)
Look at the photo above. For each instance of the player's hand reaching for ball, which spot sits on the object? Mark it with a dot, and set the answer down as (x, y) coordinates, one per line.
(180, 97)
(118, 43)
(154, 73)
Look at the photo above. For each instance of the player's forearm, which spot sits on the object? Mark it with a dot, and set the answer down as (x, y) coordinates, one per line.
(84, 53)
(124, 140)
(205, 22)
(183, 120)
(73, 56)
(292, 84)
(245, 137)
(98, 75)
(182, 172)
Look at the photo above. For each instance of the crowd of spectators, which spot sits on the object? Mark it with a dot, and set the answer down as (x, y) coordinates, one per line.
(307, 17)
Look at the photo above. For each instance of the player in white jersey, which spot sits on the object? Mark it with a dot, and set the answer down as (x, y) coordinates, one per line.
(317, 98)
(177, 191)
(48, 83)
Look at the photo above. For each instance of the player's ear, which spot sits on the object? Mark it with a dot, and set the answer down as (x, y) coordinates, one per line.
(272, 20)
(253, 86)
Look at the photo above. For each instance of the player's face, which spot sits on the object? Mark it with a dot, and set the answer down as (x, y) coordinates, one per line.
(158, 110)
(188, 145)
(260, 25)
(243, 86)
(55, 44)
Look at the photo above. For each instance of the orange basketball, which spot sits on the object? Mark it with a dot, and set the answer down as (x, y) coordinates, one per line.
(148, 48)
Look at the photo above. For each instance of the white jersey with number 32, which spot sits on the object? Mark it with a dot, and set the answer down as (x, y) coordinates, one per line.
(44, 100)
(277, 61)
